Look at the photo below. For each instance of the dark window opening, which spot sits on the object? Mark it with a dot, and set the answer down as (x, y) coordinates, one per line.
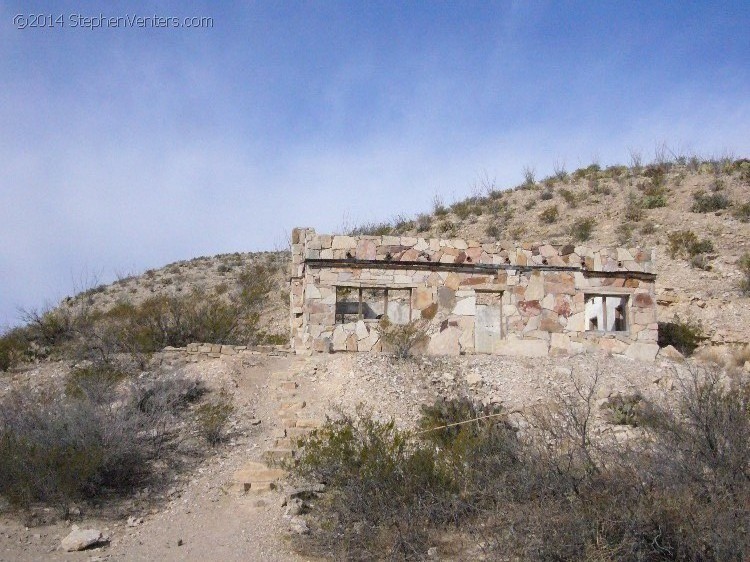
(370, 303)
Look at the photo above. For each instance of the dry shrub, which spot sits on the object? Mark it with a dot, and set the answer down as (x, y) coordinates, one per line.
(387, 491)
(559, 492)
(402, 339)
(98, 441)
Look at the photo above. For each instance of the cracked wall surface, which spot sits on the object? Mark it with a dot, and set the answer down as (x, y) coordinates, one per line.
(499, 298)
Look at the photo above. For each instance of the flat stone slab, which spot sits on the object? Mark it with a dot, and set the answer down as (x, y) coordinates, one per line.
(256, 477)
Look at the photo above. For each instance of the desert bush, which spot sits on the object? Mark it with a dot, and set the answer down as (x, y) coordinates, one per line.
(97, 382)
(684, 335)
(569, 197)
(55, 448)
(386, 491)
(627, 409)
(708, 202)
(546, 195)
(492, 230)
(438, 209)
(529, 176)
(401, 339)
(685, 244)
(648, 228)
(742, 212)
(562, 492)
(581, 229)
(424, 222)
(14, 348)
(549, 215)
(633, 208)
(213, 416)
(744, 266)
(701, 261)
(461, 209)
(624, 232)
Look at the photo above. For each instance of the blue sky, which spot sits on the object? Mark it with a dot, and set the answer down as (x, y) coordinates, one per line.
(123, 149)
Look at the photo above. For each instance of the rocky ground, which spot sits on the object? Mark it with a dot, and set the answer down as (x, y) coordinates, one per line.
(223, 510)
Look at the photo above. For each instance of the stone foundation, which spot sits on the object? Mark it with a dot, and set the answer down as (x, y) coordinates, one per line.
(531, 300)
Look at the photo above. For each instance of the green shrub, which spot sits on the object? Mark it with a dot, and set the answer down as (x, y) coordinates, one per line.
(685, 244)
(401, 339)
(95, 381)
(549, 215)
(569, 197)
(628, 409)
(684, 335)
(386, 490)
(709, 202)
(424, 222)
(562, 492)
(372, 229)
(461, 209)
(581, 229)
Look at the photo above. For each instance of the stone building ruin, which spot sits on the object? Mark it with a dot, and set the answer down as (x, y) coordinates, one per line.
(499, 298)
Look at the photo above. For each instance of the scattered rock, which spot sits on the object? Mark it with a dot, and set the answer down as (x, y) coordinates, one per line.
(299, 526)
(81, 539)
(669, 352)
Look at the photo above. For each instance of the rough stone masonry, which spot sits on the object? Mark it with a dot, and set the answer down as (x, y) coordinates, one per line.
(530, 300)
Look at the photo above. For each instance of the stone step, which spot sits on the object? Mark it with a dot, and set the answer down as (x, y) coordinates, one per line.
(256, 477)
(308, 423)
(285, 443)
(289, 421)
(297, 432)
(275, 455)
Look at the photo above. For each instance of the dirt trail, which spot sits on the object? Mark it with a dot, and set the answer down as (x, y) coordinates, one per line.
(208, 516)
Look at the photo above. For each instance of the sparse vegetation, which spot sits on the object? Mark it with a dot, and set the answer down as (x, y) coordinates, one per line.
(401, 339)
(684, 335)
(549, 215)
(744, 266)
(581, 229)
(709, 202)
(97, 442)
(685, 244)
(561, 492)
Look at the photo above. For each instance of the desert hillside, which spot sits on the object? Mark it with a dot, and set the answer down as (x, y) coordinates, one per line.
(699, 276)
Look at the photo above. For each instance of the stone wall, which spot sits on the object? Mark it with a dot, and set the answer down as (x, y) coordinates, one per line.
(195, 352)
(500, 298)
